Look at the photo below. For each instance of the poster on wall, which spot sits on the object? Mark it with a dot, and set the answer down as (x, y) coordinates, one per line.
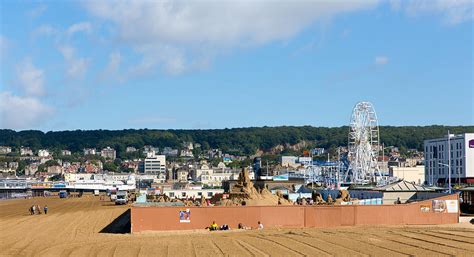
(185, 216)
(425, 208)
(439, 206)
(452, 206)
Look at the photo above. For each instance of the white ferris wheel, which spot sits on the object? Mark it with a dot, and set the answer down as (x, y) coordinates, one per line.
(364, 144)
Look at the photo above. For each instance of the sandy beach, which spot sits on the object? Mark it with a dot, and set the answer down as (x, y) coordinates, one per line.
(81, 227)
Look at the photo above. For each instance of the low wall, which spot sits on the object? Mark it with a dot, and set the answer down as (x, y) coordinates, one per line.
(167, 218)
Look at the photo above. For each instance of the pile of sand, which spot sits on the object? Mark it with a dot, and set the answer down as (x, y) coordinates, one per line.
(244, 193)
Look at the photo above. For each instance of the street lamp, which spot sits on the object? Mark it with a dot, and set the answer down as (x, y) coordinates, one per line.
(449, 175)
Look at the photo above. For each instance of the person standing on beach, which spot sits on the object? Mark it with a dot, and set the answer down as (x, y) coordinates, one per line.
(39, 209)
(260, 226)
(33, 209)
(46, 209)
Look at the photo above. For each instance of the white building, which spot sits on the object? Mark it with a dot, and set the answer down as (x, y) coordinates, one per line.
(460, 153)
(410, 174)
(130, 149)
(26, 151)
(43, 153)
(89, 151)
(289, 161)
(55, 170)
(5, 149)
(65, 152)
(108, 153)
(203, 170)
(305, 161)
(154, 164)
(215, 176)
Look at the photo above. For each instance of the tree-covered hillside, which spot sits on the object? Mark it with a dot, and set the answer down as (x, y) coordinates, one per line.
(236, 140)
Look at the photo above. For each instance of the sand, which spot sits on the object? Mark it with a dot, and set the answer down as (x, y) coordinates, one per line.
(72, 228)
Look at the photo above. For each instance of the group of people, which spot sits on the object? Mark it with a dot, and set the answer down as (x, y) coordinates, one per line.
(215, 227)
(36, 209)
(304, 201)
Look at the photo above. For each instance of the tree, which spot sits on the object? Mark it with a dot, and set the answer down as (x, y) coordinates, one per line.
(110, 166)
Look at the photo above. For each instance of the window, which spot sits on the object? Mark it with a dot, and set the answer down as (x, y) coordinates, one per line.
(199, 193)
(209, 194)
(171, 194)
(183, 194)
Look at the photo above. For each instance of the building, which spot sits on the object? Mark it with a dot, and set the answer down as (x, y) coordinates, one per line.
(459, 153)
(149, 148)
(31, 169)
(130, 149)
(214, 153)
(289, 161)
(168, 151)
(65, 152)
(154, 164)
(43, 153)
(108, 153)
(305, 161)
(204, 169)
(182, 175)
(414, 175)
(317, 151)
(55, 170)
(26, 151)
(257, 166)
(89, 151)
(186, 153)
(5, 149)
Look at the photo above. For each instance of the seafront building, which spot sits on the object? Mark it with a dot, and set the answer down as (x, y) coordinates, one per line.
(5, 149)
(108, 153)
(43, 153)
(89, 151)
(457, 157)
(154, 164)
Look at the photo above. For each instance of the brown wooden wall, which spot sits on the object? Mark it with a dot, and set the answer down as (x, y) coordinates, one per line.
(167, 218)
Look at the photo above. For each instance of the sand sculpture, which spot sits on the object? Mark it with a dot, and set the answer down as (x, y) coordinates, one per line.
(244, 193)
(317, 198)
(343, 196)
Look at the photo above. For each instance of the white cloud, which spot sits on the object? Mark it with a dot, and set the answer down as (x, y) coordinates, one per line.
(18, 112)
(381, 60)
(171, 58)
(30, 78)
(189, 33)
(44, 30)
(37, 11)
(112, 70)
(76, 67)
(453, 11)
(115, 59)
(85, 27)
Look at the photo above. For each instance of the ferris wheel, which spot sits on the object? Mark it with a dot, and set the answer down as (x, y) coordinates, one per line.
(363, 146)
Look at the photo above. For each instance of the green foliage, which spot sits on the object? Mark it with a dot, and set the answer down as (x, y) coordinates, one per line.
(241, 141)
(110, 166)
(51, 163)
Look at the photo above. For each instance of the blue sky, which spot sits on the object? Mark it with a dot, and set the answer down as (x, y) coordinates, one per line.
(205, 64)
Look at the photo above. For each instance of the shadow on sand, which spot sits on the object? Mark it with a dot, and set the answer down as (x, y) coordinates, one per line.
(120, 225)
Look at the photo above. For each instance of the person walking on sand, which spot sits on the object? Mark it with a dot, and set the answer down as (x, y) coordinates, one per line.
(33, 209)
(39, 209)
(260, 226)
(45, 209)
